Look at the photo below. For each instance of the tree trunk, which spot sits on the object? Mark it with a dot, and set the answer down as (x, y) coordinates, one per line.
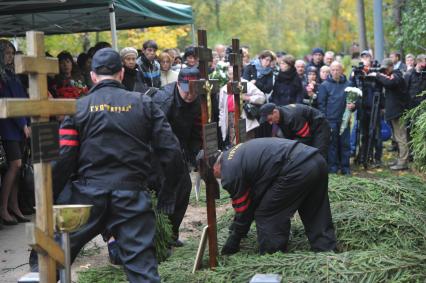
(217, 13)
(362, 35)
(397, 7)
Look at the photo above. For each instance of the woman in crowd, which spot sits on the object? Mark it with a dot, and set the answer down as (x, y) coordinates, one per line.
(288, 88)
(84, 63)
(13, 132)
(167, 74)
(69, 83)
(227, 108)
(131, 79)
(324, 73)
(259, 71)
(311, 87)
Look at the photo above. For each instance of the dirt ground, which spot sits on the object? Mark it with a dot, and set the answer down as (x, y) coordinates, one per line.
(14, 254)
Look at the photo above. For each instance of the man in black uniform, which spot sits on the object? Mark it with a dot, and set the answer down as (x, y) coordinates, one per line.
(269, 179)
(106, 146)
(183, 111)
(299, 122)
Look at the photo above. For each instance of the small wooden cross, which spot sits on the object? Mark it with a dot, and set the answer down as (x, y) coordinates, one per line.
(237, 88)
(206, 88)
(37, 66)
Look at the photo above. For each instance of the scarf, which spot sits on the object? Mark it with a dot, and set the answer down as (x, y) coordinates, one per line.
(261, 71)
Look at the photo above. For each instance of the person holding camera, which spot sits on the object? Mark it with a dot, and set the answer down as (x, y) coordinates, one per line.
(369, 88)
(397, 101)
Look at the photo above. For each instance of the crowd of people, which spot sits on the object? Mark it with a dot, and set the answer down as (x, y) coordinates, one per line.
(302, 99)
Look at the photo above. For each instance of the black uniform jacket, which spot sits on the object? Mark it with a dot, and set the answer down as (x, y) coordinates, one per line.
(108, 140)
(249, 168)
(299, 122)
(184, 118)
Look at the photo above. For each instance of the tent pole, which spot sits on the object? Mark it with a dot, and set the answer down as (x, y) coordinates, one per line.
(113, 26)
(193, 34)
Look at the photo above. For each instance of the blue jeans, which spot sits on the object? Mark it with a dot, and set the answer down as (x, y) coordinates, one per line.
(339, 151)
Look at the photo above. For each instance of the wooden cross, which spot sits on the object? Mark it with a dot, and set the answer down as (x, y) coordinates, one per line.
(205, 88)
(40, 106)
(237, 88)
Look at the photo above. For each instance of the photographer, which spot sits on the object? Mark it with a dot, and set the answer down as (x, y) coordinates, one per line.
(416, 81)
(372, 101)
(397, 101)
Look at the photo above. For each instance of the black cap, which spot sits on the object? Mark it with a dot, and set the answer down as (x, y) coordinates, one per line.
(186, 75)
(266, 110)
(365, 52)
(317, 50)
(108, 59)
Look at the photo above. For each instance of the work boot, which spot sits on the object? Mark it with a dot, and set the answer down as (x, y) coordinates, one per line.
(232, 245)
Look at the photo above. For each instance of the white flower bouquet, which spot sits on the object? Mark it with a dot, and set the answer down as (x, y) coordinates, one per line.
(352, 96)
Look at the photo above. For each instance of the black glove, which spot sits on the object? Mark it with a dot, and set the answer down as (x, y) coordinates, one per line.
(232, 245)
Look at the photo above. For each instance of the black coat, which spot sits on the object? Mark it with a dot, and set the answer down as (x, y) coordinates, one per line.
(416, 84)
(110, 138)
(265, 83)
(396, 97)
(288, 88)
(131, 80)
(185, 119)
(249, 168)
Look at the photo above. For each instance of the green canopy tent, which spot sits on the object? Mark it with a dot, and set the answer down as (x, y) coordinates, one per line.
(72, 16)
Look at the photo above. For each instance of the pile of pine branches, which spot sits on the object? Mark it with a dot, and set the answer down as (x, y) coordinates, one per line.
(381, 230)
(416, 118)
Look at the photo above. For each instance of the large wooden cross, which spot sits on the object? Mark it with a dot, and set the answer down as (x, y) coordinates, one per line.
(237, 88)
(205, 88)
(40, 108)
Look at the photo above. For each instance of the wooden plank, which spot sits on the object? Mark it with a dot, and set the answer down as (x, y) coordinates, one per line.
(44, 216)
(42, 171)
(16, 107)
(28, 65)
(43, 244)
(201, 249)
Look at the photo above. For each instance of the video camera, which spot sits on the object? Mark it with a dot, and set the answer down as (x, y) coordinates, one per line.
(361, 72)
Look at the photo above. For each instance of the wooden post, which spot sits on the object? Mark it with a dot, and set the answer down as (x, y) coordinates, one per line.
(237, 88)
(39, 105)
(206, 88)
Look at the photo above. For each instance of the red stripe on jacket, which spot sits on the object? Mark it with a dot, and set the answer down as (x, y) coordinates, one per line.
(68, 132)
(242, 208)
(68, 143)
(304, 131)
(241, 199)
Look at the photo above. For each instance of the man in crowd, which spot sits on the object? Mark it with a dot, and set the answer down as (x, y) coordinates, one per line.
(300, 69)
(397, 62)
(113, 178)
(332, 102)
(397, 101)
(149, 67)
(221, 51)
(269, 179)
(328, 58)
(183, 111)
(317, 59)
(299, 122)
(415, 80)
